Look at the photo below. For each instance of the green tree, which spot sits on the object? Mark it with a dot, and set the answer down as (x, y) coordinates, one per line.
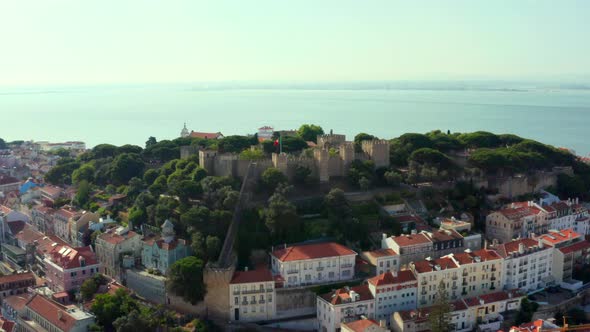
(185, 278)
(213, 245)
(88, 289)
(198, 245)
(439, 318)
(301, 175)
(393, 178)
(271, 177)
(310, 132)
(525, 314)
(82, 194)
(126, 166)
(150, 142)
(103, 151)
(132, 322)
(150, 176)
(85, 172)
(3, 145)
(107, 308)
(252, 154)
(199, 325)
(281, 218)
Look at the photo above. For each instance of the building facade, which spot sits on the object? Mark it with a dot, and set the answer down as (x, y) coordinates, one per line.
(381, 260)
(393, 291)
(67, 268)
(160, 253)
(252, 296)
(309, 264)
(344, 305)
(112, 245)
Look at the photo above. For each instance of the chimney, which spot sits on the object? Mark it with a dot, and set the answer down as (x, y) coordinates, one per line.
(532, 235)
(59, 314)
(246, 268)
(485, 244)
(521, 248)
(384, 236)
(413, 232)
(382, 323)
(540, 243)
(394, 273)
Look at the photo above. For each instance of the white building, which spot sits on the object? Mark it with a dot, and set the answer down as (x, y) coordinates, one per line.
(265, 133)
(527, 264)
(382, 260)
(344, 305)
(309, 264)
(481, 313)
(468, 273)
(252, 296)
(393, 291)
(364, 325)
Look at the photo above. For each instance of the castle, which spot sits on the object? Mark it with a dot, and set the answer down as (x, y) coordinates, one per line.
(331, 157)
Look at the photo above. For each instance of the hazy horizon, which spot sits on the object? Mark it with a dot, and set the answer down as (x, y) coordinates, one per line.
(68, 42)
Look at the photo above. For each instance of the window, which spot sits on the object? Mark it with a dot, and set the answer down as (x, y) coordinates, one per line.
(236, 300)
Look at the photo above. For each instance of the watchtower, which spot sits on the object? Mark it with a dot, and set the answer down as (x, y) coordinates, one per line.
(378, 151)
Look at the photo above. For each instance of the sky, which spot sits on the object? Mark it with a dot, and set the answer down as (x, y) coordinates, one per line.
(149, 41)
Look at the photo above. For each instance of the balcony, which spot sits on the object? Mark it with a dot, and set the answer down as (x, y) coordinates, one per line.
(270, 290)
(261, 301)
(454, 277)
(244, 302)
(319, 268)
(490, 322)
(292, 271)
(465, 273)
(253, 291)
(424, 282)
(464, 283)
(454, 286)
(423, 292)
(344, 266)
(494, 269)
(493, 278)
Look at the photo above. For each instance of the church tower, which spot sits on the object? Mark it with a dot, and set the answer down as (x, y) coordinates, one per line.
(184, 132)
(168, 231)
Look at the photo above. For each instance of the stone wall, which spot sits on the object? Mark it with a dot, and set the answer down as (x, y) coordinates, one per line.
(293, 302)
(217, 284)
(149, 287)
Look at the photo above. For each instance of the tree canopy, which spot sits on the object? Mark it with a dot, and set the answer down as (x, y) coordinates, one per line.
(185, 279)
(310, 132)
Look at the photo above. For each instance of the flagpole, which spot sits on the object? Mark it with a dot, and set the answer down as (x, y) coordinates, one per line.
(280, 143)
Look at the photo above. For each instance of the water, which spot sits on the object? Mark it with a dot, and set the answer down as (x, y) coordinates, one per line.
(130, 114)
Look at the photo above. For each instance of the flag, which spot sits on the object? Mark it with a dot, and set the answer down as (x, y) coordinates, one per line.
(276, 143)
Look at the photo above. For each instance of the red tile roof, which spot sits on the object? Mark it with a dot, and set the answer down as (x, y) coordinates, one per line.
(71, 258)
(381, 253)
(52, 311)
(483, 255)
(388, 278)
(163, 244)
(493, 297)
(445, 235)
(411, 239)
(312, 251)
(112, 237)
(557, 237)
(421, 314)
(6, 325)
(443, 263)
(578, 246)
(196, 134)
(17, 302)
(361, 325)
(5, 209)
(244, 277)
(6, 279)
(520, 210)
(342, 295)
(507, 248)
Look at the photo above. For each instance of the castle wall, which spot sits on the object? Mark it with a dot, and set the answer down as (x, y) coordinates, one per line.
(293, 302)
(331, 140)
(188, 150)
(378, 151)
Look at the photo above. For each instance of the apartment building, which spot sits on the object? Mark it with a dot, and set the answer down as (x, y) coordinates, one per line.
(527, 264)
(393, 291)
(476, 313)
(410, 247)
(16, 284)
(467, 273)
(112, 245)
(252, 296)
(518, 220)
(344, 305)
(67, 268)
(43, 314)
(316, 263)
(364, 325)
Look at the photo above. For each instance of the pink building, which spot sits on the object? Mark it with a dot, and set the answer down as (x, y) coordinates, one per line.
(67, 268)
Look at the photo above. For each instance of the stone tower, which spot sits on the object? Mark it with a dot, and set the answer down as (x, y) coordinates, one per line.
(378, 151)
(184, 132)
(207, 160)
(168, 232)
(322, 157)
(279, 161)
(347, 154)
(330, 141)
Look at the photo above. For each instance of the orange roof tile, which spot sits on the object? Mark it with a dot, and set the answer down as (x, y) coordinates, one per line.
(443, 263)
(388, 278)
(244, 277)
(52, 311)
(361, 325)
(312, 251)
(411, 239)
(578, 246)
(342, 295)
